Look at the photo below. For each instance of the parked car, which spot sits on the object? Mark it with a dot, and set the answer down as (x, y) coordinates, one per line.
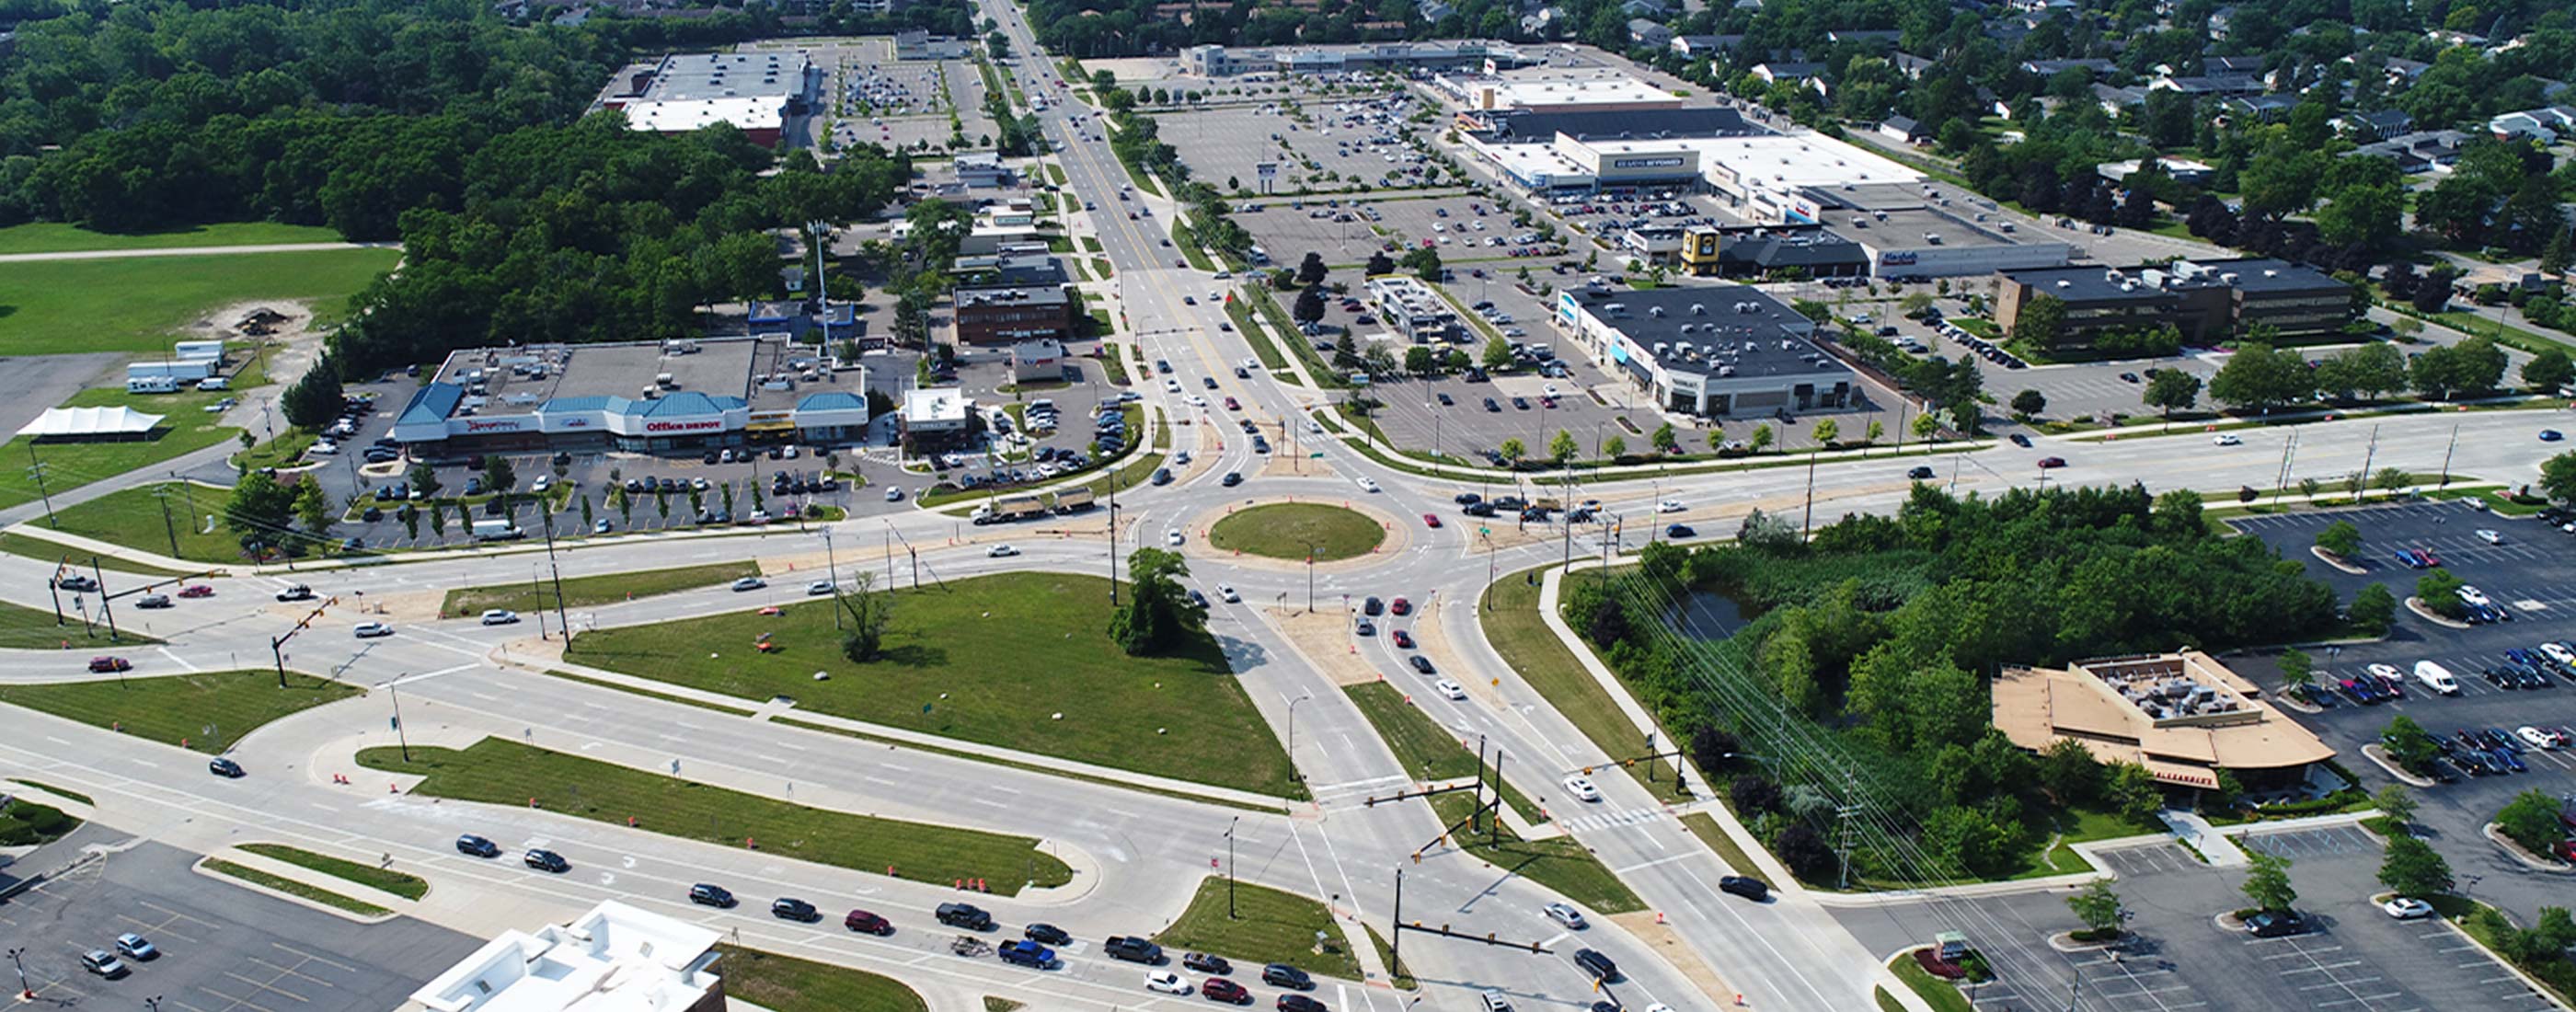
(2275, 924)
(136, 947)
(102, 963)
(2407, 908)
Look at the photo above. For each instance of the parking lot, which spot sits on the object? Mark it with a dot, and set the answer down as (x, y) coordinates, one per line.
(1344, 143)
(2177, 957)
(223, 948)
(1470, 231)
(2531, 575)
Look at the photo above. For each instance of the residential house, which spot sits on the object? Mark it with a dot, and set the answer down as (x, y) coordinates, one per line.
(2045, 69)
(1903, 128)
(2422, 151)
(1872, 36)
(1704, 47)
(1810, 74)
(2263, 108)
(2544, 124)
(2376, 125)
(2402, 72)
(2119, 100)
(1910, 65)
(1648, 33)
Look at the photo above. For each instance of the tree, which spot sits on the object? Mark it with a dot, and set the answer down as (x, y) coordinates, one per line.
(1423, 262)
(2549, 370)
(2558, 477)
(1311, 271)
(2297, 669)
(424, 479)
(2133, 791)
(2098, 907)
(1762, 437)
(2171, 389)
(2413, 869)
(1804, 852)
(1826, 431)
(1615, 447)
(2373, 609)
(1309, 307)
(2069, 773)
(1512, 450)
(1497, 354)
(2397, 804)
(1915, 303)
(259, 508)
(1419, 360)
(1877, 431)
(1157, 613)
(1378, 263)
(497, 474)
(2028, 404)
(2267, 881)
(2440, 591)
(2041, 324)
(2408, 743)
(2531, 819)
(313, 508)
(2340, 539)
(1665, 440)
(1562, 448)
(1925, 426)
(314, 400)
(868, 607)
(2260, 378)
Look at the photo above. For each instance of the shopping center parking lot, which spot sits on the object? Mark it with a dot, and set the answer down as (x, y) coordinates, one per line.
(1290, 227)
(2533, 574)
(2178, 957)
(1351, 141)
(223, 948)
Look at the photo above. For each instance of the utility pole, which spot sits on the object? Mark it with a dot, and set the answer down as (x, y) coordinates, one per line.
(1310, 578)
(2446, 453)
(36, 470)
(2368, 455)
(105, 609)
(1229, 868)
(401, 736)
(563, 614)
(25, 993)
(832, 572)
(1113, 543)
(2281, 482)
(162, 496)
(1842, 842)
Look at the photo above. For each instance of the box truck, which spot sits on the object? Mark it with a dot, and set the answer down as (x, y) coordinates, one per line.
(497, 530)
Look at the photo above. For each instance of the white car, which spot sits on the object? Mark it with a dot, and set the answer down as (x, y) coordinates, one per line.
(1669, 506)
(2225, 439)
(543, 482)
(2437, 678)
(1368, 484)
(894, 493)
(1581, 787)
(1171, 386)
(1000, 552)
(2490, 537)
(2472, 595)
(1450, 689)
(324, 447)
(2559, 652)
(500, 616)
(819, 588)
(2383, 672)
(371, 630)
(1196, 401)
(1172, 537)
(1225, 592)
(1167, 982)
(1314, 426)
(2407, 908)
(2539, 738)
(1566, 915)
(749, 583)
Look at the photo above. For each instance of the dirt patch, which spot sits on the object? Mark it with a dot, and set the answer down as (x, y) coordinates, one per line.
(1324, 637)
(1286, 464)
(284, 321)
(1668, 943)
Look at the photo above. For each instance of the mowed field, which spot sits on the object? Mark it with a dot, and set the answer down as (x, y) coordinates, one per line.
(54, 237)
(135, 303)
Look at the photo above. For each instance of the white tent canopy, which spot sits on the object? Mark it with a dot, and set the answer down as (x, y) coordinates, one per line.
(76, 422)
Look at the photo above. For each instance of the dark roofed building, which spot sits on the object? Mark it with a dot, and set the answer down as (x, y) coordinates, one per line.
(1704, 121)
(1723, 350)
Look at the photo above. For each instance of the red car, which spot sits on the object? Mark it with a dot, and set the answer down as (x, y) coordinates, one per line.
(1402, 639)
(1221, 989)
(2565, 849)
(1232, 405)
(1431, 520)
(861, 920)
(196, 590)
(1399, 606)
(2048, 462)
(106, 664)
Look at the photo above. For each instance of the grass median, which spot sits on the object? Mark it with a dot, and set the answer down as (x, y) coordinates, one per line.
(1513, 625)
(292, 887)
(407, 886)
(787, 984)
(1292, 530)
(588, 591)
(1559, 863)
(508, 773)
(207, 711)
(1427, 750)
(1268, 926)
(23, 628)
(1021, 660)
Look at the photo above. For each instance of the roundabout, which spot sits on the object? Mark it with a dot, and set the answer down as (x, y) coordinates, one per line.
(1290, 531)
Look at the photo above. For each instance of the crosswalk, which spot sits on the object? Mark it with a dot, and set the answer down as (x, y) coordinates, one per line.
(1612, 819)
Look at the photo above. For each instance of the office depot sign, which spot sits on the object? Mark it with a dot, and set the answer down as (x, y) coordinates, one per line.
(674, 428)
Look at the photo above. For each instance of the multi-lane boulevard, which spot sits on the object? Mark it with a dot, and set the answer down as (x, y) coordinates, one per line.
(1138, 854)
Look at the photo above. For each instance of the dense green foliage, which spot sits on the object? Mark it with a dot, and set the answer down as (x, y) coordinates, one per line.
(1873, 640)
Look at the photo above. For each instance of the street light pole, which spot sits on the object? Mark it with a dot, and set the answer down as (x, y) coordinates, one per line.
(1292, 734)
(401, 737)
(1229, 867)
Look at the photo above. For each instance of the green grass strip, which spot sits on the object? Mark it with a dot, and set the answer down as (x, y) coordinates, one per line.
(588, 591)
(650, 694)
(60, 792)
(787, 984)
(410, 887)
(292, 887)
(502, 772)
(207, 712)
(1560, 863)
(1267, 926)
(1026, 767)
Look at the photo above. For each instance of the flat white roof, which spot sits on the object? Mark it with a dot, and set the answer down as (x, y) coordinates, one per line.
(756, 112)
(1507, 93)
(616, 958)
(119, 420)
(934, 404)
(1778, 162)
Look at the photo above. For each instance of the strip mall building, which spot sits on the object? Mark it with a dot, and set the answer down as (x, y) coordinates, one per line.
(675, 397)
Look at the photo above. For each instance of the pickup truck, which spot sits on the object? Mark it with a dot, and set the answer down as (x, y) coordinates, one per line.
(1133, 949)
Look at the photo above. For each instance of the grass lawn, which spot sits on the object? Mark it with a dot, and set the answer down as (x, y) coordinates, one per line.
(410, 887)
(1263, 347)
(1512, 625)
(185, 427)
(1021, 660)
(1942, 995)
(1290, 530)
(1427, 750)
(2078, 825)
(1269, 926)
(33, 547)
(1704, 826)
(54, 237)
(210, 710)
(279, 452)
(650, 694)
(787, 984)
(134, 517)
(1561, 863)
(294, 888)
(583, 592)
(34, 629)
(134, 303)
(507, 773)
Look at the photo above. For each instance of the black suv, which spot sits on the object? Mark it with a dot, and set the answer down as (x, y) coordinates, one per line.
(1134, 949)
(1596, 964)
(789, 908)
(1284, 975)
(1204, 963)
(965, 915)
(477, 846)
(711, 895)
(545, 860)
(1746, 886)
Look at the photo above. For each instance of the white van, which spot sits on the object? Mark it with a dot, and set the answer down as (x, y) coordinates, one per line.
(2437, 678)
(214, 383)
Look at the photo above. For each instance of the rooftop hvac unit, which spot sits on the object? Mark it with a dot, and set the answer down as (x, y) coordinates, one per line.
(2063, 283)
(1724, 371)
(2270, 273)
(1655, 311)
(1699, 309)
(1686, 328)
(1661, 347)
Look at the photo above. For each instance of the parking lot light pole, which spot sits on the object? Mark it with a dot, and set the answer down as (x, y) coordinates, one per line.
(18, 957)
